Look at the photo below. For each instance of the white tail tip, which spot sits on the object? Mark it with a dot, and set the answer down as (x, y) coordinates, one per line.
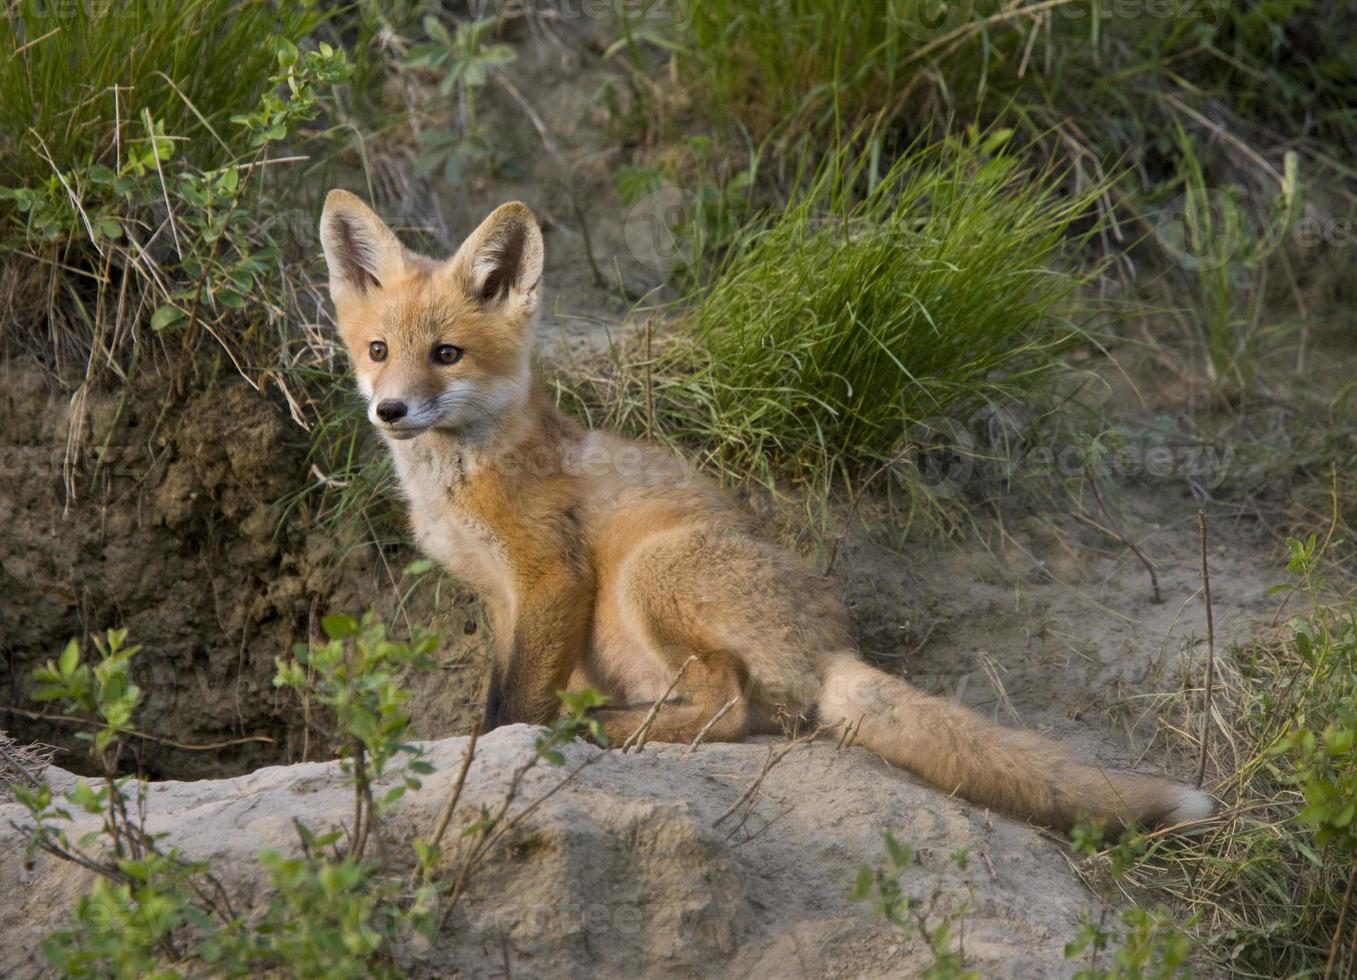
(1192, 805)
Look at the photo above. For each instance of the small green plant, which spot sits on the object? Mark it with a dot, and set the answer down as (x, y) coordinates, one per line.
(152, 908)
(330, 917)
(1211, 234)
(227, 268)
(1321, 746)
(334, 910)
(101, 692)
(149, 905)
(463, 60)
(932, 920)
(711, 208)
(1149, 945)
(354, 675)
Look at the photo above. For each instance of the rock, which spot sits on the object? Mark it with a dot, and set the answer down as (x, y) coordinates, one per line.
(629, 868)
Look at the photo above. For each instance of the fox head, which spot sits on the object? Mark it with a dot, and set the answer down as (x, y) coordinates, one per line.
(435, 345)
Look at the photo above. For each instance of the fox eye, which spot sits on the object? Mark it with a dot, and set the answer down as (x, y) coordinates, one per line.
(447, 354)
(377, 350)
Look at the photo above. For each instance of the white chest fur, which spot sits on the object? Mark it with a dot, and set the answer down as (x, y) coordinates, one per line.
(444, 530)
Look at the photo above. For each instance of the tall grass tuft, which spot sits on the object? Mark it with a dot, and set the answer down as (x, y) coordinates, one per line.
(1098, 85)
(871, 302)
(139, 190)
(71, 72)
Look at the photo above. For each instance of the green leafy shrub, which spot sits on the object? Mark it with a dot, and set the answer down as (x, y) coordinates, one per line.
(462, 60)
(333, 910)
(934, 921)
(1147, 943)
(151, 909)
(354, 675)
(150, 905)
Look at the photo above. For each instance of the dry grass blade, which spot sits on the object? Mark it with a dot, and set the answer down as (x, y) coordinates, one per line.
(1266, 899)
(459, 783)
(1112, 529)
(148, 736)
(22, 763)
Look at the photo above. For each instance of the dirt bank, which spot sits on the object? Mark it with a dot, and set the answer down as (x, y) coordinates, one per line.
(122, 511)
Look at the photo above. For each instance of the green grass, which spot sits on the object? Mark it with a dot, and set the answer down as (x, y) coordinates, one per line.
(1087, 75)
(350, 483)
(1162, 109)
(143, 208)
(870, 302)
(70, 71)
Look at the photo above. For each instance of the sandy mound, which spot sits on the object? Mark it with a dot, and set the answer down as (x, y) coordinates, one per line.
(626, 871)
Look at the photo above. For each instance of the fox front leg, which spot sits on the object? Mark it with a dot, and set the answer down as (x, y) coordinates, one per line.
(539, 649)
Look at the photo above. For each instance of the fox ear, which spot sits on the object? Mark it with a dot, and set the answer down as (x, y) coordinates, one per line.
(361, 251)
(500, 263)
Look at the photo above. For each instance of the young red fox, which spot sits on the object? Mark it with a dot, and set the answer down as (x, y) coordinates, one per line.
(608, 562)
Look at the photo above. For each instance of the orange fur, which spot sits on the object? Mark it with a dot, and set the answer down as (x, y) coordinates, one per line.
(611, 562)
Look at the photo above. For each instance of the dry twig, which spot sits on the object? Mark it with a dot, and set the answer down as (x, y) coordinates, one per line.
(721, 713)
(1115, 532)
(637, 739)
(1210, 650)
(775, 755)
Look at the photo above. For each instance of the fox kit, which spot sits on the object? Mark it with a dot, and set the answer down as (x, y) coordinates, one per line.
(608, 562)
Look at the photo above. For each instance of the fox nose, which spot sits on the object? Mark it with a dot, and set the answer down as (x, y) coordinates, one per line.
(391, 410)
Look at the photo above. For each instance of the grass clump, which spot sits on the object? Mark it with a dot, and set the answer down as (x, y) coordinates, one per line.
(143, 207)
(1098, 72)
(71, 70)
(873, 301)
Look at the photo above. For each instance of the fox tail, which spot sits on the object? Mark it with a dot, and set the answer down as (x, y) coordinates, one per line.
(1018, 772)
